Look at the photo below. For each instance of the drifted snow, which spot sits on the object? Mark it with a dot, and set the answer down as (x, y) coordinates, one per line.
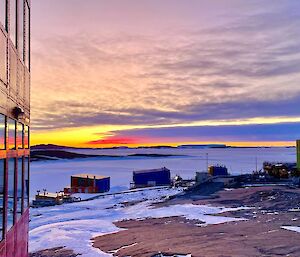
(73, 225)
(292, 228)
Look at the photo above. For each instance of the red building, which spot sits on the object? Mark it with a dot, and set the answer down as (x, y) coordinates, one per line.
(88, 183)
(14, 126)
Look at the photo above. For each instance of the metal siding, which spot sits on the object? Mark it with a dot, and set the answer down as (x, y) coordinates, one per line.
(12, 72)
(160, 177)
(219, 171)
(2, 249)
(3, 57)
(103, 185)
(10, 242)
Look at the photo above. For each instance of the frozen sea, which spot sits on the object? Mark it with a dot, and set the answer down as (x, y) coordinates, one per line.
(55, 175)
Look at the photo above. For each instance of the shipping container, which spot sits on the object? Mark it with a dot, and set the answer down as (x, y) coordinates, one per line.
(153, 177)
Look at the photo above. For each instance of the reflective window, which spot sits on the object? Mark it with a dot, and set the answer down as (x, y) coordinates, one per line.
(3, 12)
(27, 35)
(20, 136)
(2, 131)
(13, 20)
(2, 172)
(21, 28)
(19, 187)
(11, 133)
(26, 137)
(10, 196)
(26, 183)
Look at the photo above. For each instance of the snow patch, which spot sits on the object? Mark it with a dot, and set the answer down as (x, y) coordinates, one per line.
(73, 225)
(292, 228)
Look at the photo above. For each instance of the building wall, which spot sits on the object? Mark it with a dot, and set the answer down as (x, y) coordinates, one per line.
(103, 185)
(89, 185)
(160, 178)
(14, 126)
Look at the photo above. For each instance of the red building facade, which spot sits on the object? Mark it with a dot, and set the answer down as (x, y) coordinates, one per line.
(14, 126)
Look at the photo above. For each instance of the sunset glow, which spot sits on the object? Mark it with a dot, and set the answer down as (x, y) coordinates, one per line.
(120, 72)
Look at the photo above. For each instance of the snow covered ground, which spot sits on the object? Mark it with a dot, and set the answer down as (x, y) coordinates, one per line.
(55, 175)
(292, 228)
(73, 225)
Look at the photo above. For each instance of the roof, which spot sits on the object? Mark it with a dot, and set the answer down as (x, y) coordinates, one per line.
(90, 176)
(151, 170)
(49, 195)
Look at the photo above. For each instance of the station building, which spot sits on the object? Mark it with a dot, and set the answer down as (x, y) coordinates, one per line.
(88, 183)
(152, 177)
(14, 126)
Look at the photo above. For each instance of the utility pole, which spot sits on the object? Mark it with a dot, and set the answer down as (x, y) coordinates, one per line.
(207, 162)
(256, 164)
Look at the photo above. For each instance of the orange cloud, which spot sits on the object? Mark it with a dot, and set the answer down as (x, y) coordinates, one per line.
(116, 141)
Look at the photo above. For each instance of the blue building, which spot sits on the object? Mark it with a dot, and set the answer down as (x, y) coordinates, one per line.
(153, 177)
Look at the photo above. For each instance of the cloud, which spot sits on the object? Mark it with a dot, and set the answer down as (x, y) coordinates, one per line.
(115, 141)
(240, 69)
(266, 132)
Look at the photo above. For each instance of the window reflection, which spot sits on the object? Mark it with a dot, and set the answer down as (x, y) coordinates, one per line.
(21, 28)
(11, 134)
(26, 182)
(19, 187)
(3, 12)
(2, 172)
(2, 131)
(26, 137)
(20, 136)
(27, 35)
(10, 189)
(13, 20)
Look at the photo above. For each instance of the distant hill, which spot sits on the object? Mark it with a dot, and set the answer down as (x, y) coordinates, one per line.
(48, 147)
(51, 154)
(59, 147)
(203, 146)
(58, 154)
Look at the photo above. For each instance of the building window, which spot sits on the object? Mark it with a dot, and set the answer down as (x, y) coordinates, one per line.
(11, 134)
(2, 183)
(26, 137)
(21, 29)
(10, 193)
(20, 136)
(19, 187)
(2, 131)
(13, 21)
(27, 35)
(3, 13)
(26, 183)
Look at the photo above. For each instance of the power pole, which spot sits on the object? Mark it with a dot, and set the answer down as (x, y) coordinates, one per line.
(207, 162)
(256, 164)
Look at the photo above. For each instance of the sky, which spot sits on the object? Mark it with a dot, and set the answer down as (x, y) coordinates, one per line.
(152, 72)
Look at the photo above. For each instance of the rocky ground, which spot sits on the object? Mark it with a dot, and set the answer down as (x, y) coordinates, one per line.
(55, 252)
(260, 234)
